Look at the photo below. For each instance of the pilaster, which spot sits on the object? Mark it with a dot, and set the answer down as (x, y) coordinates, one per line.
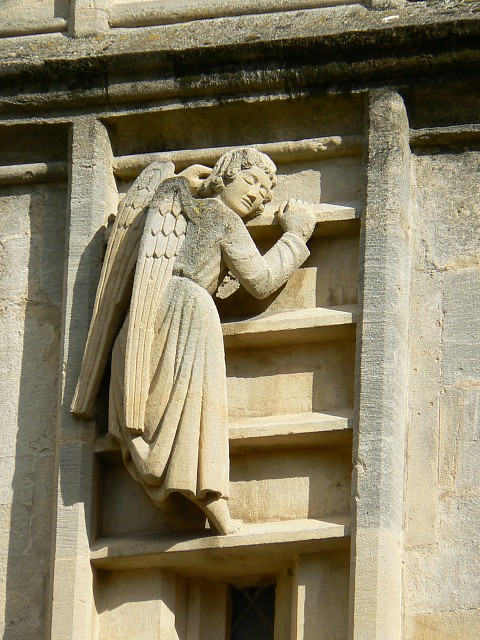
(379, 450)
(90, 180)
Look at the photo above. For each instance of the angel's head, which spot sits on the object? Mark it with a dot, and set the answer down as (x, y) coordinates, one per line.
(242, 179)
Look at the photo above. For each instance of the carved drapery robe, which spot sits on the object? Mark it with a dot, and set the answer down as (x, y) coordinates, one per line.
(184, 447)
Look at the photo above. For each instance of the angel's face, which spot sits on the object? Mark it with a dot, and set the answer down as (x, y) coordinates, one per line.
(247, 192)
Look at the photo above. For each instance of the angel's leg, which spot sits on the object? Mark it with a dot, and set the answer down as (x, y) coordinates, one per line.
(218, 515)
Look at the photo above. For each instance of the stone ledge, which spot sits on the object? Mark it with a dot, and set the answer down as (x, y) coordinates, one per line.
(443, 136)
(292, 327)
(292, 430)
(324, 212)
(258, 548)
(33, 172)
(332, 428)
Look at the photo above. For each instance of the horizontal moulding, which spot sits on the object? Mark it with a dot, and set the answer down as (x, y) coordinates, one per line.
(284, 152)
(34, 172)
(310, 149)
(444, 135)
(125, 13)
(24, 23)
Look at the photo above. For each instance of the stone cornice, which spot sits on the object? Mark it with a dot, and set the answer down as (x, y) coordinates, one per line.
(289, 52)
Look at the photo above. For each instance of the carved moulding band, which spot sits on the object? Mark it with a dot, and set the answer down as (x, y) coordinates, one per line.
(280, 152)
(125, 13)
(33, 172)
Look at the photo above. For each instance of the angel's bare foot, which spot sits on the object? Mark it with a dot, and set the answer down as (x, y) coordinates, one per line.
(218, 515)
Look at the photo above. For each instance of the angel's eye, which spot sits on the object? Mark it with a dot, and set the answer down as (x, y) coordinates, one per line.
(264, 192)
(249, 179)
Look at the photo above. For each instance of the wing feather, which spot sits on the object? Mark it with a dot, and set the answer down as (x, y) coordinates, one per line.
(150, 274)
(116, 282)
(169, 224)
(161, 243)
(180, 226)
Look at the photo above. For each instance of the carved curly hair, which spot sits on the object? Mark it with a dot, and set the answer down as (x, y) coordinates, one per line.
(231, 163)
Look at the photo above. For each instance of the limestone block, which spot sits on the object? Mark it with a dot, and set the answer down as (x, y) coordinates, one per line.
(136, 605)
(126, 509)
(445, 578)
(88, 17)
(323, 180)
(421, 498)
(444, 625)
(18, 17)
(31, 254)
(320, 597)
(452, 206)
(459, 438)
(290, 484)
(461, 326)
(159, 605)
(317, 377)
(283, 605)
(207, 608)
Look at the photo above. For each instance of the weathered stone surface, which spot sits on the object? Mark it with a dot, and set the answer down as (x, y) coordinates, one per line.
(310, 85)
(240, 54)
(39, 16)
(442, 500)
(32, 250)
(379, 452)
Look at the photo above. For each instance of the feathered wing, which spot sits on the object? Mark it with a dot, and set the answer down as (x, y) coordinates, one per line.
(116, 281)
(162, 239)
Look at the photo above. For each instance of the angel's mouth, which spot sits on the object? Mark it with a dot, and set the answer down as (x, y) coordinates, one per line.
(247, 202)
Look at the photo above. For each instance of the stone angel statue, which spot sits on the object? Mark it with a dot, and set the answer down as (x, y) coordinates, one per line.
(173, 242)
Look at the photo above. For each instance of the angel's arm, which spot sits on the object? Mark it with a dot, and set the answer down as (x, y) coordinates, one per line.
(261, 275)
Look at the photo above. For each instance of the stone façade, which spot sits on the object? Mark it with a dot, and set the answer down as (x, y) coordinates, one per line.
(377, 106)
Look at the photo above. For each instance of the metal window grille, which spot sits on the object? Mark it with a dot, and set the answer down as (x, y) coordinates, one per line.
(253, 612)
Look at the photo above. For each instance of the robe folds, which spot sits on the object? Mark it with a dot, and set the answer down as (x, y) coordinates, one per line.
(185, 443)
(184, 446)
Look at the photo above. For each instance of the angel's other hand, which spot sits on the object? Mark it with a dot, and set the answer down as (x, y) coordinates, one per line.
(196, 174)
(296, 216)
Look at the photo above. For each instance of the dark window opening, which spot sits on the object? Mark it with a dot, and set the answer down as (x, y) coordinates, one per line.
(253, 612)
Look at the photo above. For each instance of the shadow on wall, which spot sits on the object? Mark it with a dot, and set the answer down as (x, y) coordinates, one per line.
(33, 497)
(32, 309)
(76, 459)
(61, 8)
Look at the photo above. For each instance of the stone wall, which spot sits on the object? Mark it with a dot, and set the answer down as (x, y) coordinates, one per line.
(442, 565)
(32, 255)
(353, 403)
